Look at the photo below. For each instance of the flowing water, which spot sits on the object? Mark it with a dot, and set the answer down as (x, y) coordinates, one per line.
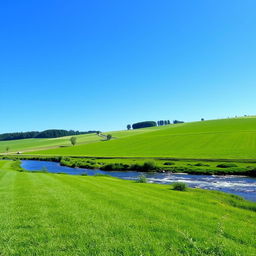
(238, 185)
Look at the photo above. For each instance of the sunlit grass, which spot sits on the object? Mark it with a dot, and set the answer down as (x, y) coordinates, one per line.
(227, 138)
(47, 214)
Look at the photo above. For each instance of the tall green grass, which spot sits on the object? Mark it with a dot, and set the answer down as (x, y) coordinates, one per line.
(47, 214)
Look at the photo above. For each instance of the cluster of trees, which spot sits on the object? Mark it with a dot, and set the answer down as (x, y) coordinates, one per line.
(142, 125)
(163, 122)
(18, 135)
(53, 133)
(151, 124)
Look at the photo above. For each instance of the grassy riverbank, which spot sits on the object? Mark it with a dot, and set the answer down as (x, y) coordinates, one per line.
(47, 214)
(151, 165)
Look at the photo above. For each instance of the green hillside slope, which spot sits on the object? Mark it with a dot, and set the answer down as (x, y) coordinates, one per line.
(55, 214)
(24, 145)
(28, 144)
(227, 138)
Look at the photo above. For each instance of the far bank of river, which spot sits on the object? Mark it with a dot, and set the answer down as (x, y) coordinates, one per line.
(239, 185)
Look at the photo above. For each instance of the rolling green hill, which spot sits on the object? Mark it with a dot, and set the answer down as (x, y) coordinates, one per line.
(30, 144)
(56, 214)
(226, 138)
(24, 145)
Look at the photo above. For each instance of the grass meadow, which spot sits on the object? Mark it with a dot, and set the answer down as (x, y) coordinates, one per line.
(32, 144)
(215, 139)
(56, 214)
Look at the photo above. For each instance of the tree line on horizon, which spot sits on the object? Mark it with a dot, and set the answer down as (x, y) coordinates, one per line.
(146, 124)
(52, 133)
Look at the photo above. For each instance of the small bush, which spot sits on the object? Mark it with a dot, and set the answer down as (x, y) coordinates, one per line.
(149, 166)
(180, 186)
(142, 179)
(146, 167)
(109, 137)
(226, 165)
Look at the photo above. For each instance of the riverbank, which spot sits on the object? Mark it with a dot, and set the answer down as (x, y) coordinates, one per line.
(94, 215)
(242, 186)
(199, 166)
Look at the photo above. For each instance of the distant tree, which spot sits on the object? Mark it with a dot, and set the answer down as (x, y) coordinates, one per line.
(129, 127)
(177, 122)
(7, 149)
(73, 141)
(168, 122)
(98, 132)
(109, 137)
(202, 119)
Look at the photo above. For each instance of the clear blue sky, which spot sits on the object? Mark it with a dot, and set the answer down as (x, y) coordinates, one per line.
(103, 64)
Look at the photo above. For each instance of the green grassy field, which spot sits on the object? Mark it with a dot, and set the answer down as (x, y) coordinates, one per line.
(224, 139)
(54, 214)
(41, 144)
(30, 144)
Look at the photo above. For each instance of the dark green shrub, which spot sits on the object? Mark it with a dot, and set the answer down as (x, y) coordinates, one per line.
(146, 167)
(74, 165)
(226, 165)
(149, 166)
(200, 164)
(115, 167)
(251, 171)
(180, 186)
(169, 163)
(136, 167)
